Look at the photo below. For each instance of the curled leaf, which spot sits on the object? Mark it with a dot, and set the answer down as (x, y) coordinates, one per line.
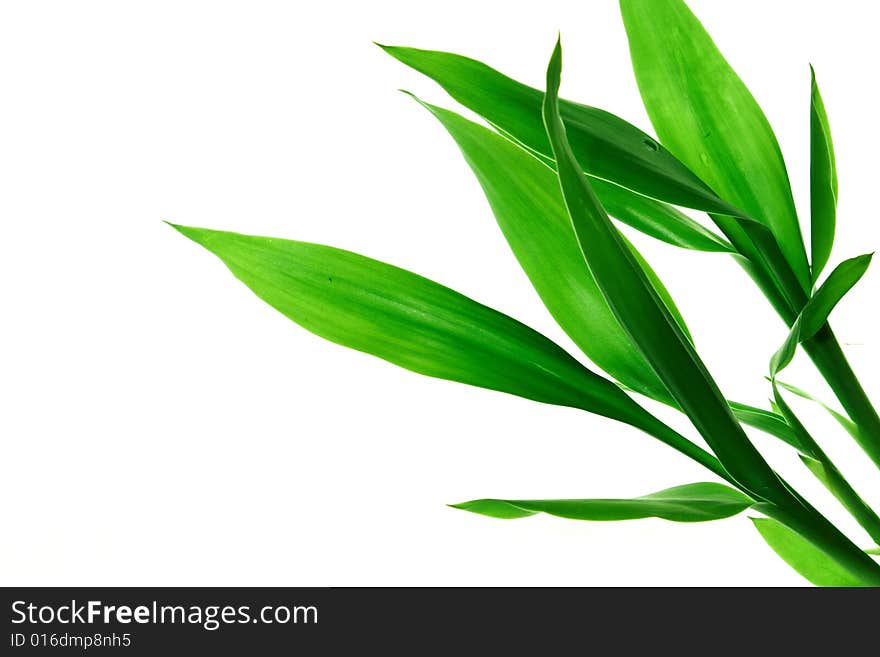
(815, 314)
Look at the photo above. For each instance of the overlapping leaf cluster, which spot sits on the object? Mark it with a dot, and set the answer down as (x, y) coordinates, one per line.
(555, 173)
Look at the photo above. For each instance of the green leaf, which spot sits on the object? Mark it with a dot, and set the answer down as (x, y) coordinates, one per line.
(422, 326)
(818, 463)
(804, 557)
(659, 220)
(528, 206)
(839, 282)
(690, 503)
(647, 215)
(709, 120)
(785, 354)
(645, 317)
(823, 181)
(766, 421)
(815, 314)
(410, 321)
(607, 146)
(848, 425)
(875, 551)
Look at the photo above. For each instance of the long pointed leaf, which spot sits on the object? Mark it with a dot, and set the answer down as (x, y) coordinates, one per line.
(417, 324)
(823, 181)
(644, 316)
(422, 326)
(689, 503)
(707, 118)
(408, 320)
(528, 206)
(609, 147)
(815, 314)
(805, 558)
(839, 282)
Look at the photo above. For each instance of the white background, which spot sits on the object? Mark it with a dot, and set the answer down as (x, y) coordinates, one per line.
(160, 425)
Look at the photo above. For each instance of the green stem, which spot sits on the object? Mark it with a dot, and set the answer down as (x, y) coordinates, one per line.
(778, 284)
(792, 510)
(752, 261)
(824, 469)
(768, 288)
(849, 498)
(831, 362)
(788, 507)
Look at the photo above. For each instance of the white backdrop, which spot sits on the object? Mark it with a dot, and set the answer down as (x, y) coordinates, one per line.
(160, 425)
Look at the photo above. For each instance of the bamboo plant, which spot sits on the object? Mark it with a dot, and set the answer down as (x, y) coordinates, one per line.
(555, 172)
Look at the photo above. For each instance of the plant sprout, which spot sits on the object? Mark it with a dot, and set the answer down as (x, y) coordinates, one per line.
(555, 174)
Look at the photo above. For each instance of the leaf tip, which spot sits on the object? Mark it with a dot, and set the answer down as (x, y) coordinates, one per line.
(421, 102)
(400, 53)
(183, 230)
(439, 112)
(198, 235)
(554, 74)
(473, 506)
(391, 50)
(555, 65)
(809, 461)
(501, 509)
